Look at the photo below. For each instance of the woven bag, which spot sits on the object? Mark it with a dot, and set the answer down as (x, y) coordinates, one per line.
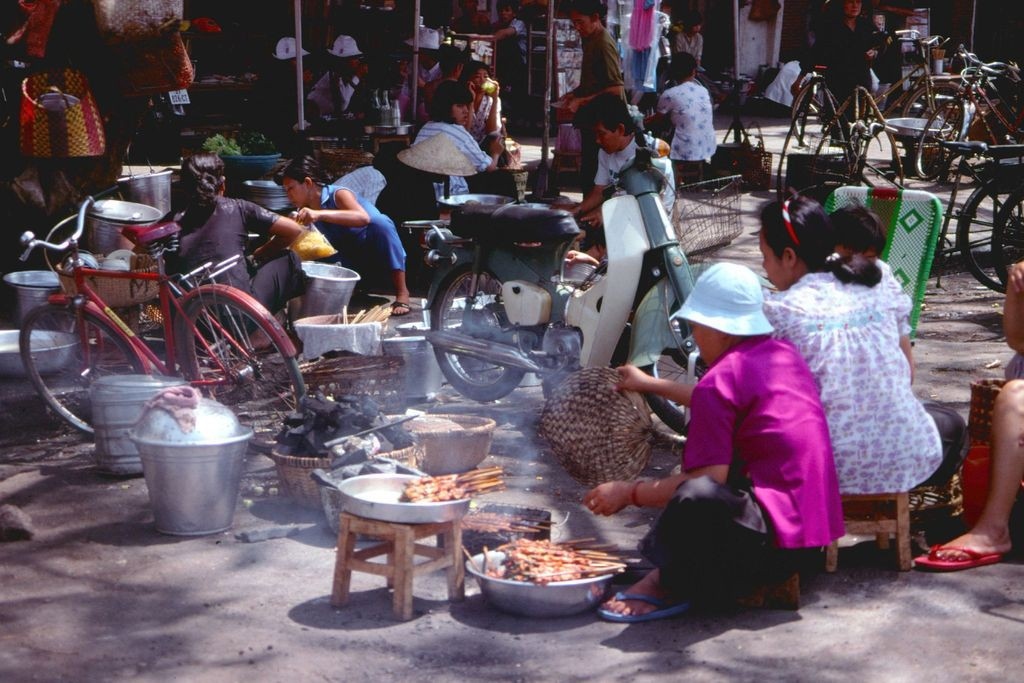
(983, 399)
(59, 116)
(153, 66)
(118, 292)
(132, 20)
(596, 433)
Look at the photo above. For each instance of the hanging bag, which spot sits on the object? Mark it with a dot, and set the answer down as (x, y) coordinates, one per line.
(121, 21)
(59, 116)
(154, 66)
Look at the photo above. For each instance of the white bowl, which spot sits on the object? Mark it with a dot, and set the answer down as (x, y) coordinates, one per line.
(115, 264)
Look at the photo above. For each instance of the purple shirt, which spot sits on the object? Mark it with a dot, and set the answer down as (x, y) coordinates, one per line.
(759, 404)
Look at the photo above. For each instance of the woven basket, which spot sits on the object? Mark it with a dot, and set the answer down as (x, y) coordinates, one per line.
(928, 502)
(293, 474)
(448, 448)
(378, 376)
(597, 434)
(983, 398)
(339, 161)
(119, 292)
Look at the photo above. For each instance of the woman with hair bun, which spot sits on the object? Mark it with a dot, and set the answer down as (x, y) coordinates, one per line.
(215, 228)
(852, 327)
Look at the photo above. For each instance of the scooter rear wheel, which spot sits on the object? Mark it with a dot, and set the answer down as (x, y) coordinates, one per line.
(474, 378)
(671, 366)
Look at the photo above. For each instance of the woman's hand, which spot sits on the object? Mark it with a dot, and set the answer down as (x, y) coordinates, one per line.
(307, 216)
(632, 378)
(608, 498)
(491, 88)
(496, 145)
(574, 256)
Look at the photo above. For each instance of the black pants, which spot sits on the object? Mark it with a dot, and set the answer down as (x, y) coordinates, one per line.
(953, 432)
(588, 160)
(713, 543)
(278, 280)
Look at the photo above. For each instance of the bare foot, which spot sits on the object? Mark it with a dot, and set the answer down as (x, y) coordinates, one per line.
(650, 585)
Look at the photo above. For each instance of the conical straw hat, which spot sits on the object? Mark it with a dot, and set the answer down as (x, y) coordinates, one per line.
(437, 154)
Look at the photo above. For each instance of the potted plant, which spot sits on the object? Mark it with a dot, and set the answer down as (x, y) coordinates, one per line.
(249, 156)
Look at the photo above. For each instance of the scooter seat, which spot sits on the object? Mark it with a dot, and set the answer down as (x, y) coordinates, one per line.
(510, 223)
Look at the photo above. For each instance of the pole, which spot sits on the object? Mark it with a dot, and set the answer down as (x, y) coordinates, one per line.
(540, 186)
(300, 98)
(415, 75)
(736, 127)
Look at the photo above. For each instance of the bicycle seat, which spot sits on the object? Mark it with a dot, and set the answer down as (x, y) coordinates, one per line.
(970, 147)
(510, 223)
(147, 234)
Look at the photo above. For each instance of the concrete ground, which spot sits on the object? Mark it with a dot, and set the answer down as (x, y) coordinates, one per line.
(99, 595)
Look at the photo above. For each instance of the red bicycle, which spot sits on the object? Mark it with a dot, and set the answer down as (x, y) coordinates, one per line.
(217, 337)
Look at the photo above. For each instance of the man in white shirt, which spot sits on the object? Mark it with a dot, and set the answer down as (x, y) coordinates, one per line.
(615, 130)
(332, 94)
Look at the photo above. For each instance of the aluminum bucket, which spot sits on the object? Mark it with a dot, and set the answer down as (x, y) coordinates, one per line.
(108, 217)
(117, 404)
(329, 288)
(152, 189)
(421, 375)
(32, 287)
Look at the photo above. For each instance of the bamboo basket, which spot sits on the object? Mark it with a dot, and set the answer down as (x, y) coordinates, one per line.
(339, 161)
(293, 473)
(451, 444)
(118, 292)
(983, 399)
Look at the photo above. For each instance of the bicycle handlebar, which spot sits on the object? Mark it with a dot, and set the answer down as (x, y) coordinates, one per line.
(30, 242)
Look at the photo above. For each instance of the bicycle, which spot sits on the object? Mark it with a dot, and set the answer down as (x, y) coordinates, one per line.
(217, 337)
(997, 175)
(972, 112)
(919, 90)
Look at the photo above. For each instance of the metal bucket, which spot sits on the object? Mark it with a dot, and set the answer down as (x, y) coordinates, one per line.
(107, 218)
(117, 404)
(32, 288)
(421, 375)
(192, 477)
(329, 288)
(152, 189)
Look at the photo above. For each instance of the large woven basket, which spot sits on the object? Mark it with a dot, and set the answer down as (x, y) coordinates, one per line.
(596, 433)
(339, 161)
(293, 474)
(380, 377)
(451, 444)
(983, 399)
(119, 292)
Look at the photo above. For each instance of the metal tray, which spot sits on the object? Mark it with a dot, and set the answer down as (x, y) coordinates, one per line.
(376, 496)
(462, 199)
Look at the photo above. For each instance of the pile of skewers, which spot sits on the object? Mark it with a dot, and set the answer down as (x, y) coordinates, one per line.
(543, 562)
(377, 314)
(454, 486)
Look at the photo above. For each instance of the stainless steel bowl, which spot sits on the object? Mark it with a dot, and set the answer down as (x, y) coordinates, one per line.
(53, 353)
(376, 496)
(555, 599)
(462, 199)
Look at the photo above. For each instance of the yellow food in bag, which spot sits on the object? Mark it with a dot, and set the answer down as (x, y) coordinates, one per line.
(312, 245)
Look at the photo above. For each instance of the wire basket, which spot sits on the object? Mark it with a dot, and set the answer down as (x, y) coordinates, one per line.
(707, 216)
(118, 292)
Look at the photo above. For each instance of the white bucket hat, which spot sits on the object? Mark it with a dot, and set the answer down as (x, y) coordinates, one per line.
(430, 39)
(728, 297)
(345, 46)
(286, 49)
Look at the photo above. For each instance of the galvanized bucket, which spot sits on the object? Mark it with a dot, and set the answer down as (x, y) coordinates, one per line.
(152, 189)
(329, 288)
(32, 288)
(421, 375)
(117, 404)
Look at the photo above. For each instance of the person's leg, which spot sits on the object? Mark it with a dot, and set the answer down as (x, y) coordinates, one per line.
(278, 280)
(588, 160)
(383, 242)
(991, 534)
(953, 434)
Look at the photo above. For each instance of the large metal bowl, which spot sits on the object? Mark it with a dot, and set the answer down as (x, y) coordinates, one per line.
(555, 599)
(376, 496)
(463, 199)
(53, 353)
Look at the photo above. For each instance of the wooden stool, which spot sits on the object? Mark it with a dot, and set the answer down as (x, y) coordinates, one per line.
(399, 544)
(881, 514)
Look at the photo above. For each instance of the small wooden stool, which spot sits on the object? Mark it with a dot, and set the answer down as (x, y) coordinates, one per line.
(399, 544)
(881, 514)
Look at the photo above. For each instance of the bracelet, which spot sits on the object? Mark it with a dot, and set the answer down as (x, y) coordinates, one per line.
(632, 493)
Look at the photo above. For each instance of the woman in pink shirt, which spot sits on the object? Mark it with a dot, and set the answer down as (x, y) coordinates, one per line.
(758, 483)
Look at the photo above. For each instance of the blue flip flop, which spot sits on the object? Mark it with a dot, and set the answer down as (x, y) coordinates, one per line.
(664, 610)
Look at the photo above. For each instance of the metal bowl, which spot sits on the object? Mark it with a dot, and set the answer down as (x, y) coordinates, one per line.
(555, 599)
(53, 354)
(376, 496)
(402, 129)
(462, 199)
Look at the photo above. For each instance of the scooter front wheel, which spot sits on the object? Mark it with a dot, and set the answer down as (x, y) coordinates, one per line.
(474, 378)
(672, 366)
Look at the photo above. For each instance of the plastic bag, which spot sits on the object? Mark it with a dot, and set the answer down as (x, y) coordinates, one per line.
(312, 245)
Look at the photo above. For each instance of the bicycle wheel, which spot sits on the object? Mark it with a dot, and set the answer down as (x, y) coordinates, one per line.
(453, 310)
(233, 349)
(1008, 234)
(944, 124)
(925, 100)
(64, 351)
(974, 234)
(813, 107)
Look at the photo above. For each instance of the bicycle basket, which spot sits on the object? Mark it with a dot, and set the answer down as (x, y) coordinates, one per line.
(118, 292)
(707, 216)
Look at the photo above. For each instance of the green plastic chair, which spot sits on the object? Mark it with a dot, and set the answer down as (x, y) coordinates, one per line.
(913, 220)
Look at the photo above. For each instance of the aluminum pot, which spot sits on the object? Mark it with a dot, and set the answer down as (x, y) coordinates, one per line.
(108, 217)
(152, 189)
(192, 477)
(376, 496)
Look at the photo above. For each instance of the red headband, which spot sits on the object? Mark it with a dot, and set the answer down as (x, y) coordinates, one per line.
(789, 223)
